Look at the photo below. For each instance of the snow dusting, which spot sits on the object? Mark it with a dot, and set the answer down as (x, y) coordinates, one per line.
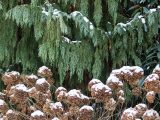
(55, 118)
(152, 10)
(41, 69)
(21, 87)
(74, 14)
(37, 113)
(41, 81)
(9, 111)
(74, 93)
(2, 102)
(32, 76)
(151, 113)
(113, 79)
(86, 107)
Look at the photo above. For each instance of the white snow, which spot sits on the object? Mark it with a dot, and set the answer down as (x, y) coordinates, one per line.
(41, 69)
(150, 93)
(41, 81)
(84, 96)
(122, 24)
(95, 81)
(151, 113)
(86, 107)
(32, 89)
(56, 12)
(21, 87)
(32, 76)
(74, 14)
(56, 105)
(85, 19)
(152, 77)
(66, 39)
(112, 79)
(138, 69)
(2, 102)
(15, 73)
(37, 113)
(44, 12)
(9, 111)
(100, 86)
(143, 20)
(74, 93)
(141, 106)
(61, 89)
(55, 118)
(130, 112)
(75, 41)
(152, 10)
(91, 27)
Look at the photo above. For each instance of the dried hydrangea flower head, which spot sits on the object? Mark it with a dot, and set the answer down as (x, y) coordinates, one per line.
(85, 113)
(151, 83)
(62, 96)
(121, 99)
(114, 83)
(101, 92)
(127, 74)
(56, 108)
(132, 74)
(44, 72)
(42, 85)
(59, 89)
(21, 92)
(84, 100)
(150, 96)
(3, 106)
(46, 107)
(11, 78)
(38, 115)
(11, 115)
(150, 115)
(118, 73)
(141, 109)
(129, 114)
(93, 82)
(120, 93)
(74, 97)
(30, 80)
(156, 70)
(137, 72)
(137, 91)
(110, 104)
(32, 92)
(41, 98)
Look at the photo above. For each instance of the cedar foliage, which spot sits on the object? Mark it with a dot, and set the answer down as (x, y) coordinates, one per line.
(74, 36)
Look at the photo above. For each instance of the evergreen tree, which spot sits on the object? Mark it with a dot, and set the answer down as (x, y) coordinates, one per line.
(77, 37)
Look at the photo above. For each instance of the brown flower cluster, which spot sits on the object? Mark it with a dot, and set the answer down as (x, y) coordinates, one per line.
(152, 84)
(75, 104)
(32, 99)
(28, 93)
(140, 111)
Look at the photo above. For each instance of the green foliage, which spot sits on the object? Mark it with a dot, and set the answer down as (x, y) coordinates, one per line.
(63, 35)
(112, 8)
(97, 11)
